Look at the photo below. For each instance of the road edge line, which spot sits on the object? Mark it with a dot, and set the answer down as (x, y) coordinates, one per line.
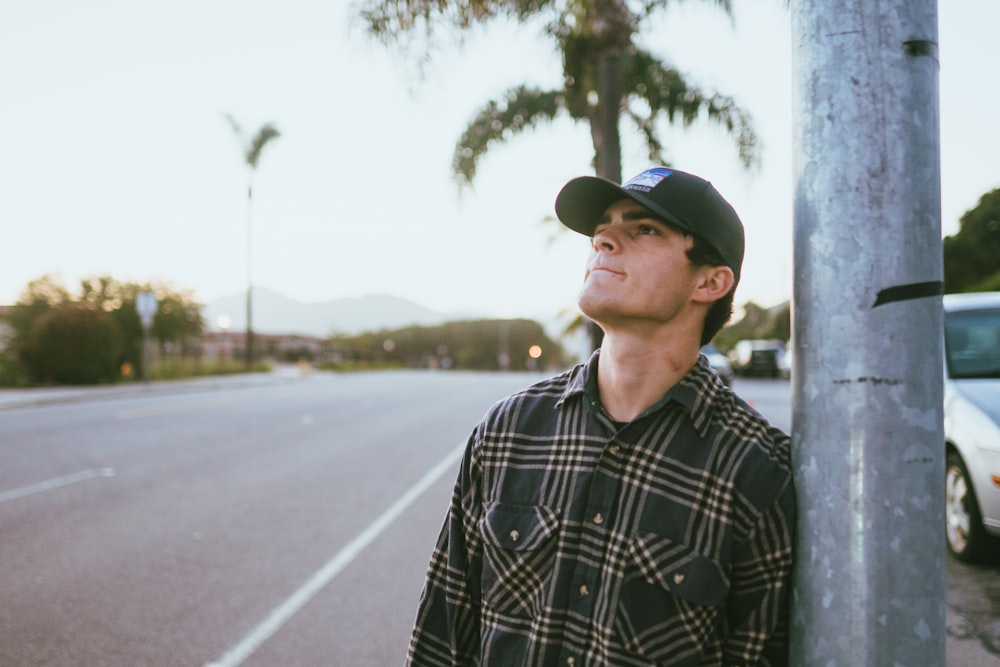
(237, 653)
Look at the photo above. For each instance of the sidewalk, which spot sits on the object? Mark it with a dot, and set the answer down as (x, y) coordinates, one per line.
(17, 398)
(964, 643)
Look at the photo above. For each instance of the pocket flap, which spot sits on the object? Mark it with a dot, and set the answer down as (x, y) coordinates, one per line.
(680, 570)
(518, 527)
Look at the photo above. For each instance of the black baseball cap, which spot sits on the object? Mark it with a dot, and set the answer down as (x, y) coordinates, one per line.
(680, 198)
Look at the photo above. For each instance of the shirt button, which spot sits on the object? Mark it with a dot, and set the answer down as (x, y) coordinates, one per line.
(584, 591)
(598, 518)
(678, 578)
(514, 535)
(613, 450)
(570, 661)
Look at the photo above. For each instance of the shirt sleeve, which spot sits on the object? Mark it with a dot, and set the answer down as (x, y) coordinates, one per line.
(757, 609)
(446, 632)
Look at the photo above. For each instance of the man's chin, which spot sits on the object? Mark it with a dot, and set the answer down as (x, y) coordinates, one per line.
(598, 309)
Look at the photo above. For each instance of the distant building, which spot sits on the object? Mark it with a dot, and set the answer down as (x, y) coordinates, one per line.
(280, 348)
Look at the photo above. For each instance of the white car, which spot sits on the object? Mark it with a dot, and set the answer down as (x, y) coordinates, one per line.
(719, 362)
(972, 424)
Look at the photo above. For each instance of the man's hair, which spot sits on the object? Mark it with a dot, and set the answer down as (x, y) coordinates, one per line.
(702, 254)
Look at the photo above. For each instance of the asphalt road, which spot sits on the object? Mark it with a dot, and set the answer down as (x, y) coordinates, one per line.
(176, 527)
(259, 521)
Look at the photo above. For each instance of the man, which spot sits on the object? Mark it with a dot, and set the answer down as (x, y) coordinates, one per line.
(633, 510)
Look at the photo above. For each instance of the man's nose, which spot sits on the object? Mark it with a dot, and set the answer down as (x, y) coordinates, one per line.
(604, 241)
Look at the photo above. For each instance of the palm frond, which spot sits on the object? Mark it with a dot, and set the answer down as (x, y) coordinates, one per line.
(668, 93)
(647, 128)
(647, 7)
(724, 111)
(586, 33)
(252, 150)
(519, 109)
(265, 134)
(389, 20)
(236, 126)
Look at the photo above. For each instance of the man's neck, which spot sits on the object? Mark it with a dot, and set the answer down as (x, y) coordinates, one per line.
(634, 373)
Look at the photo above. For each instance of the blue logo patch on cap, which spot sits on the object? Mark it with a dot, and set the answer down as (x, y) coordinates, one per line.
(647, 180)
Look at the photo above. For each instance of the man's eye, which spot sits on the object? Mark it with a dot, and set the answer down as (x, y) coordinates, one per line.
(648, 229)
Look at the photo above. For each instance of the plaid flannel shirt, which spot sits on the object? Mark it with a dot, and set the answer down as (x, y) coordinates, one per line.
(575, 541)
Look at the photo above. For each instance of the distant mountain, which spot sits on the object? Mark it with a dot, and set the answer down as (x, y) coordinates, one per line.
(274, 313)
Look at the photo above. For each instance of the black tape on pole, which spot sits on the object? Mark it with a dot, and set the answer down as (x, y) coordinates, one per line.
(907, 292)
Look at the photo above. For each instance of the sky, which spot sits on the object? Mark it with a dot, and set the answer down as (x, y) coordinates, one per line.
(116, 158)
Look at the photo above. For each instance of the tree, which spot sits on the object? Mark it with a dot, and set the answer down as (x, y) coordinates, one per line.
(757, 322)
(74, 343)
(472, 345)
(605, 75)
(57, 337)
(252, 149)
(38, 299)
(107, 294)
(972, 256)
(177, 318)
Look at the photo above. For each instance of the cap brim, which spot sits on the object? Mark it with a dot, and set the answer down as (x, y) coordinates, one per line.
(581, 203)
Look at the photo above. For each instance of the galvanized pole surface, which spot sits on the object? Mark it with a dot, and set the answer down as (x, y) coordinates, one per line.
(867, 396)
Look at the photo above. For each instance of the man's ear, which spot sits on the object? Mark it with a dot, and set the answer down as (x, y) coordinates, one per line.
(713, 283)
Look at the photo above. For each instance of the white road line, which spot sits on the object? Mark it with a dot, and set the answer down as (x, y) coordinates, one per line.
(48, 485)
(199, 404)
(236, 654)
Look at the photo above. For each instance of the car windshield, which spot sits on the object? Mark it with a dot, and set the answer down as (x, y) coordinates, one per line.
(972, 343)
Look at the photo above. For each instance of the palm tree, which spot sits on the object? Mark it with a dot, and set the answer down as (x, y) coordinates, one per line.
(605, 76)
(252, 149)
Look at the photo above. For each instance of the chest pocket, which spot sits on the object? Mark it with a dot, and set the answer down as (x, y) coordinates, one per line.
(668, 586)
(519, 547)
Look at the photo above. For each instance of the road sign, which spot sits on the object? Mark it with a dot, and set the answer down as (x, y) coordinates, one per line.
(145, 304)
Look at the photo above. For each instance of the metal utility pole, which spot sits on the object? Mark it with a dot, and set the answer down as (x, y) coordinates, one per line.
(867, 397)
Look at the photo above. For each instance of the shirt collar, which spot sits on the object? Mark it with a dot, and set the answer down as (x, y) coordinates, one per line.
(697, 392)
(578, 381)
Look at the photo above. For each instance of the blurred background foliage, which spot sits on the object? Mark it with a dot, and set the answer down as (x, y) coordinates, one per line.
(92, 337)
(96, 335)
(972, 255)
(489, 345)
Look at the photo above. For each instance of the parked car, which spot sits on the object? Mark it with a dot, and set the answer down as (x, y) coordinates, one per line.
(758, 358)
(785, 363)
(719, 362)
(972, 424)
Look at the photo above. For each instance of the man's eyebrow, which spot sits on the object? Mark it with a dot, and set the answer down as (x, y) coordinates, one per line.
(633, 214)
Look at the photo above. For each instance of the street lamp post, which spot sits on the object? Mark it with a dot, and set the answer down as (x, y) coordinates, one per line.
(251, 153)
(249, 331)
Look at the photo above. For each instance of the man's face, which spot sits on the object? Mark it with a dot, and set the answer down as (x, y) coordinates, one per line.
(638, 270)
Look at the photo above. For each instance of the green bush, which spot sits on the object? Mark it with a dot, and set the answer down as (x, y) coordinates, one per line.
(178, 368)
(74, 344)
(10, 374)
(95, 336)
